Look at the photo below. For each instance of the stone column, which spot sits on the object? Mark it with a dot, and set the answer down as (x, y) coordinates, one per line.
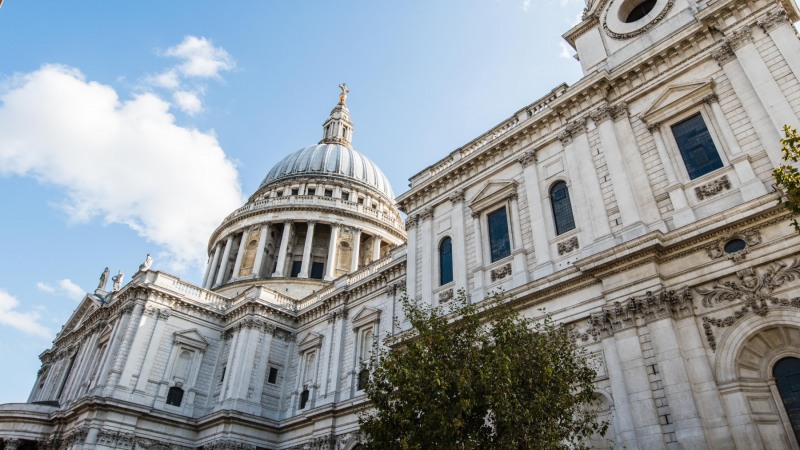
(209, 282)
(150, 354)
(756, 110)
(307, 246)
(223, 265)
(586, 185)
(411, 258)
(767, 89)
(356, 250)
(541, 246)
(112, 346)
(459, 239)
(121, 355)
(617, 169)
(12, 443)
(682, 214)
(262, 242)
(623, 417)
(239, 254)
(635, 170)
(330, 267)
(780, 29)
(477, 273)
(280, 269)
(428, 252)
(376, 248)
(328, 382)
(752, 187)
(520, 271)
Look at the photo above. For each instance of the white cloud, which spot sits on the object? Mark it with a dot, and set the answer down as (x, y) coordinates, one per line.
(200, 58)
(526, 5)
(44, 287)
(26, 322)
(71, 289)
(566, 51)
(189, 102)
(166, 80)
(126, 161)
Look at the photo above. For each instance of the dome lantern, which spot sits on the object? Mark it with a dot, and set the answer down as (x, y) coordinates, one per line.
(338, 129)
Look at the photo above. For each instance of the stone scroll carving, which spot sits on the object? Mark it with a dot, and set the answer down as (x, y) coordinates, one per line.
(716, 249)
(501, 272)
(712, 188)
(753, 290)
(568, 246)
(639, 310)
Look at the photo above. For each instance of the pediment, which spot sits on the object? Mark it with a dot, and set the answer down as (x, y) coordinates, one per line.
(310, 341)
(677, 98)
(366, 316)
(85, 308)
(192, 338)
(491, 193)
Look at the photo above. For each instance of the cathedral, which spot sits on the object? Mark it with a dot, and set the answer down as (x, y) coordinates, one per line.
(637, 207)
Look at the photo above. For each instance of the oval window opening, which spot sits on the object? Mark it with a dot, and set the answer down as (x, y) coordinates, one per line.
(640, 10)
(735, 245)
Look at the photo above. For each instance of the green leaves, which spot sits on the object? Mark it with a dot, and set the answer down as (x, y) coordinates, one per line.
(479, 377)
(787, 176)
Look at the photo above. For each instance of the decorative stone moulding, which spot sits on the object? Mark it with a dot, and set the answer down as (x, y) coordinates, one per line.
(712, 188)
(725, 246)
(568, 246)
(753, 290)
(639, 310)
(501, 272)
(615, 26)
(445, 296)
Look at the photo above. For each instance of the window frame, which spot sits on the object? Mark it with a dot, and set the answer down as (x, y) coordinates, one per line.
(567, 185)
(442, 282)
(674, 150)
(488, 233)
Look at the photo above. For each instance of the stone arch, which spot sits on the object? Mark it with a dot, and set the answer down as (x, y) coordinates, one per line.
(747, 354)
(604, 408)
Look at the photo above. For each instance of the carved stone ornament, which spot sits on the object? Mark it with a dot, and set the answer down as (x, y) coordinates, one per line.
(753, 290)
(710, 98)
(565, 137)
(445, 296)
(501, 272)
(773, 19)
(317, 443)
(568, 245)
(654, 127)
(639, 310)
(426, 213)
(723, 55)
(227, 444)
(619, 111)
(527, 158)
(716, 249)
(411, 222)
(601, 114)
(639, 31)
(739, 38)
(712, 188)
(119, 439)
(457, 196)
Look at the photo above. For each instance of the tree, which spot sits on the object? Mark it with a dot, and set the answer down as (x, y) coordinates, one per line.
(787, 176)
(469, 377)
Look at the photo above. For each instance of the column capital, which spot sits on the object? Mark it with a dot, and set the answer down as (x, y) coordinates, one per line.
(565, 137)
(526, 159)
(739, 38)
(619, 111)
(773, 19)
(426, 213)
(411, 222)
(724, 54)
(710, 98)
(311, 222)
(654, 127)
(457, 196)
(288, 221)
(601, 114)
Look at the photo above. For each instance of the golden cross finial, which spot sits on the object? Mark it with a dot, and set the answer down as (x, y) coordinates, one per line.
(343, 95)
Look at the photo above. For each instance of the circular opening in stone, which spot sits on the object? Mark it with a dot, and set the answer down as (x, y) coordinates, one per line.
(633, 10)
(735, 245)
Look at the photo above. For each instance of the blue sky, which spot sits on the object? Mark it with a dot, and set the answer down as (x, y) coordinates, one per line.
(129, 128)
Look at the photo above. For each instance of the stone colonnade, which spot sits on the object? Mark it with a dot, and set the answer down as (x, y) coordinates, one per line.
(268, 250)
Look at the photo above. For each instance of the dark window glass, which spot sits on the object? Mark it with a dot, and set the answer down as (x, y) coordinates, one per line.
(735, 245)
(787, 377)
(175, 396)
(500, 245)
(273, 375)
(328, 193)
(445, 261)
(640, 10)
(303, 398)
(296, 266)
(562, 208)
(697, 149)
(363, 379)
(222, 376)
(295, 191)
(317, 270)
(345, 196)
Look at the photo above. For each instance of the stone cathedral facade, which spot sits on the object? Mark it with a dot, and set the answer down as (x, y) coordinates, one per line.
(635, 206)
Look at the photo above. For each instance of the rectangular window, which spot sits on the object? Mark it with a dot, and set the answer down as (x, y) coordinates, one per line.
(296, 266)
(273, 375)
(499, 242)
(328, 193)
(222, 375)
(317, 270)
(295, 191)
(696, 146)
(345, 196)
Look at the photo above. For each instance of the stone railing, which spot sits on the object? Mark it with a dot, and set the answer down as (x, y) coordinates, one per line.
(189, 291)
(371, 269)
(314, 200)
(487, 138)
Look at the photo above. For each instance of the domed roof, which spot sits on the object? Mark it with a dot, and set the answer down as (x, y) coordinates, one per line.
(328, 159)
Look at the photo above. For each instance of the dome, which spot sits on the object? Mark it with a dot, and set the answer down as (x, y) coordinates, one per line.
(334, 160)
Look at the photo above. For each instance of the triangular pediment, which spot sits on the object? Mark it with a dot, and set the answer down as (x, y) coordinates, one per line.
(366, 316)
(85, 308)
(310, 341)
(191, 337)
(491, 193)
(676, 99)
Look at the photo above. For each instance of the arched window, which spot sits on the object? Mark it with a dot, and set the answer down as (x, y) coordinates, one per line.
(787, 378)
(562, 208)
(445, 261)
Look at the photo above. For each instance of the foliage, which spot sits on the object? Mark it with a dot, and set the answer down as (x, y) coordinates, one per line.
(787, 175)
(469, 377)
